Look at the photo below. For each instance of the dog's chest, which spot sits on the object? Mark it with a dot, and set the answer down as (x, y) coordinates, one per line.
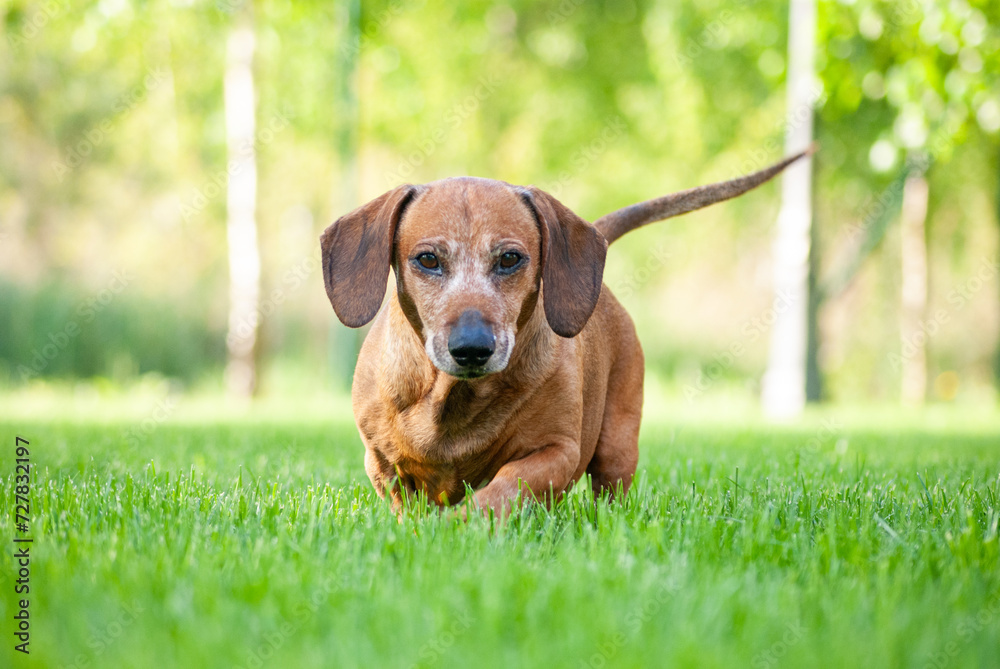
(461, 445)
(439, 466)
(437, 449)
(441, 482)
(448, 425)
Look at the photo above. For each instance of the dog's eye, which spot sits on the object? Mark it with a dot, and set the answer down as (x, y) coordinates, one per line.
(510, 260)
(428, 261)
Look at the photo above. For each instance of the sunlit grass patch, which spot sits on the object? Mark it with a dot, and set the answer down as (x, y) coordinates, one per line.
(255, 539)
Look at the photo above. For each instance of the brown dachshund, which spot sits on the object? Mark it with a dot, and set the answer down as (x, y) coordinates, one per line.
(502, 363)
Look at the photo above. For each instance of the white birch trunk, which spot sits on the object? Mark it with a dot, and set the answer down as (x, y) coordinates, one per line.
(784, 383)
(345, 342)
(914, 294)
(241, 202)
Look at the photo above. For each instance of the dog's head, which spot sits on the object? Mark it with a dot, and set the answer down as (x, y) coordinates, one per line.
(471, 258)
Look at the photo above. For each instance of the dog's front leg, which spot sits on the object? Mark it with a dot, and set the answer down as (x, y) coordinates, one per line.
(539, 475)
(383, 477)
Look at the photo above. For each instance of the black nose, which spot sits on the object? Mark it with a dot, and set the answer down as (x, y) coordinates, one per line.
(471, 342)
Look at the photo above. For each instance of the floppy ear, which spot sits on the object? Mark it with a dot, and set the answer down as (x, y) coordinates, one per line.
(573, 254)
(357, 252)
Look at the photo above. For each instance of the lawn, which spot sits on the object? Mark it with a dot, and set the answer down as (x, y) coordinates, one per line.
(228, 538)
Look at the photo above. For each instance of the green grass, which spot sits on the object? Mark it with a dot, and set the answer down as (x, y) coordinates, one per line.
(221, 538)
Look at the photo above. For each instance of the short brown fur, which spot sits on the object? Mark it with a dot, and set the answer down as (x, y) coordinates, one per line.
(562, 394)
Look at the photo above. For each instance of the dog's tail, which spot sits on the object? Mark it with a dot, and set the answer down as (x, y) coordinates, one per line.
(617, 223)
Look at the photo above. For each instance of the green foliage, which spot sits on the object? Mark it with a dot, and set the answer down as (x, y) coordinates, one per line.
(928, 70)
(224, 542)
(50, 331)
(113, 134)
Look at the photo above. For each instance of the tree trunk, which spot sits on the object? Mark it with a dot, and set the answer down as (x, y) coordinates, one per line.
(997, 361)
(914, 263)
(814, 378)
(241, 204)
(784, 383)
(345, 343)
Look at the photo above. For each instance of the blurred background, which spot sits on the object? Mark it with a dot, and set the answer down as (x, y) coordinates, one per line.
(167, 166)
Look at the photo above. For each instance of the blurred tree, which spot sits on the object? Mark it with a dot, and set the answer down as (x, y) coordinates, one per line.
(913, 256)
(344, 342)
(996, 361)
(784, 385)
(931, 66)
(241, 205)
(604, 103)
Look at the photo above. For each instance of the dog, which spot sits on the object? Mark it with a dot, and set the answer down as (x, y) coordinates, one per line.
(501, 364)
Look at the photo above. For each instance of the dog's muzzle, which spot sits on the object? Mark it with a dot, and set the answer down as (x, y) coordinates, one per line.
(471, 342)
